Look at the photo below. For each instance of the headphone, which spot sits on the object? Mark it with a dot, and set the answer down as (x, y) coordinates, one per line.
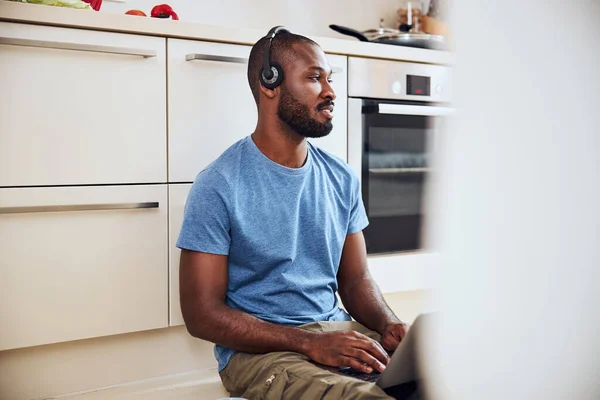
(271, 74)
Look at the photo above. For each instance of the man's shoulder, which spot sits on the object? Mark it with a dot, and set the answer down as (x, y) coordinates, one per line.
(334, 165)
(224, 168)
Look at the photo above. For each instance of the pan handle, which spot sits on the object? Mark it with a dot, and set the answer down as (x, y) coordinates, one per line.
(351, 32)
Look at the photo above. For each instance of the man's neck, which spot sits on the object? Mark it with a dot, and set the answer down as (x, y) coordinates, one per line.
(281, 145)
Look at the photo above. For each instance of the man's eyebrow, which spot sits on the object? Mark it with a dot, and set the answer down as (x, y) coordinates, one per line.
(317, 68)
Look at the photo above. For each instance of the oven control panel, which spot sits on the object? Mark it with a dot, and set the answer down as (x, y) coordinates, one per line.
(397, 80)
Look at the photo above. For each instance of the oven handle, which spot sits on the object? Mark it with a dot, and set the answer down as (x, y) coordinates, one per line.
(401, 109)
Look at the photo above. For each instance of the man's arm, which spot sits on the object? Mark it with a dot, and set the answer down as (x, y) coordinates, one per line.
(361, 295)
(203, 287)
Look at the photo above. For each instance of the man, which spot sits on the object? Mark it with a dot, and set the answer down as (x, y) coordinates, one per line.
(272, 230)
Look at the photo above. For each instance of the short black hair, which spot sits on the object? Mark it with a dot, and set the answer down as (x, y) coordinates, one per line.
(281, 52)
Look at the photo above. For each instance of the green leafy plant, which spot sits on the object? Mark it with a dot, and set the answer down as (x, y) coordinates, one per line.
(59, 3)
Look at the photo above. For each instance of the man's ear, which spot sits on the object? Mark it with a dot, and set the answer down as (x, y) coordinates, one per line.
(270, 93)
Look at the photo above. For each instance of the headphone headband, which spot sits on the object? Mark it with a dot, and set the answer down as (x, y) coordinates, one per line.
(271, 75)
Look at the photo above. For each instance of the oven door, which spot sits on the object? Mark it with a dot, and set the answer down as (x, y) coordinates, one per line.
(389, 149)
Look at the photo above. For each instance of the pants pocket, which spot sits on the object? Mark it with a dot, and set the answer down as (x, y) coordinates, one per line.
(280, 384)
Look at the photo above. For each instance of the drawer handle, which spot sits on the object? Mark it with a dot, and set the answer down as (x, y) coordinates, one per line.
(77, 46)
(211, 57)
(78, 207)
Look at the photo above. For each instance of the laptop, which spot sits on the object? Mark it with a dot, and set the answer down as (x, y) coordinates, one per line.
(402, 366)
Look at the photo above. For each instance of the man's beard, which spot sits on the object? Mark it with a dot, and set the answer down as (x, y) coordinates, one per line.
(297, 116)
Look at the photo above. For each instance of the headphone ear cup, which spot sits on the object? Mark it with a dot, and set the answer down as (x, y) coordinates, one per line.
(276, 79)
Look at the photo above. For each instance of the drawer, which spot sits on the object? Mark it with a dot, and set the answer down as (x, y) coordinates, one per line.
(177, 198)
(81, 262)
(81, 107)
(210, 104)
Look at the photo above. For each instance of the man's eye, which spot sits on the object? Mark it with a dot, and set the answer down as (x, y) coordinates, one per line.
(315, 77)
(330, 80)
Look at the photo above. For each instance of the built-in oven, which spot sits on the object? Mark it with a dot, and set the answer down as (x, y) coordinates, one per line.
(394, 115)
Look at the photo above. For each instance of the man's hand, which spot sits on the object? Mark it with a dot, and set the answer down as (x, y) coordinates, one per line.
(393, 334)
(348, 349)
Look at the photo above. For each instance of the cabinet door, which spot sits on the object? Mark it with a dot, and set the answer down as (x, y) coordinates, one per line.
(337, 141)
(81, 262)
(177, 197)
(210, 104)
(81, 107)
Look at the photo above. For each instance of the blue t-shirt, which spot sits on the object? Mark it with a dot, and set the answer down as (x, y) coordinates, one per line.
(282, 229)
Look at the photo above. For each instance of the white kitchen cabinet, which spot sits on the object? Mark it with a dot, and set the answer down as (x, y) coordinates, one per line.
(81, 107)
(337, 140)
(81, 262)
(211, 105)
(177, 198)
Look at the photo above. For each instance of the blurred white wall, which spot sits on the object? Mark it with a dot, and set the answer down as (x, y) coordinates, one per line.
(517, 226)
(309, 17)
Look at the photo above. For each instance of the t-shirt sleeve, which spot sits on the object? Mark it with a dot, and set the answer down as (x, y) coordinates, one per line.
(205, 226)
(358, 216)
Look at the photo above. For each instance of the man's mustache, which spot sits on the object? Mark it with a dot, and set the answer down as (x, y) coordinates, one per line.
(324, 104)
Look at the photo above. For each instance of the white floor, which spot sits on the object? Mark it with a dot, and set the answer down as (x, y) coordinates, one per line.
(197, 385)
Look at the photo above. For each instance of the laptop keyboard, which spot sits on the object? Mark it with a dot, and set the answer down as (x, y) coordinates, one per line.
(363, 376)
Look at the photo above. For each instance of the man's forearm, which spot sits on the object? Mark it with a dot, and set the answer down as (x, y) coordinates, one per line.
(243, 332)
(365, 303)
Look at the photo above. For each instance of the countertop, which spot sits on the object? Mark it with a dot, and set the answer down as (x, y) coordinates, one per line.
(87, 19)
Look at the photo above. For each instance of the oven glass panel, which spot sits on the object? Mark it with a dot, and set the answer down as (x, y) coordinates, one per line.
(394, 174)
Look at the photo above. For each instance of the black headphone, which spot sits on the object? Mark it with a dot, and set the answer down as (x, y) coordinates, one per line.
(271, 74)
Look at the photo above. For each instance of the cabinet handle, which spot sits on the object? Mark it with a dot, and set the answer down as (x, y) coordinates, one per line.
(337, 70)
(77, 207)
(94, 48)
(211, 57)
(398, 170)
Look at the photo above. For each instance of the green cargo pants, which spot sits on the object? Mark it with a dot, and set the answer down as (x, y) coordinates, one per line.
(288, 375)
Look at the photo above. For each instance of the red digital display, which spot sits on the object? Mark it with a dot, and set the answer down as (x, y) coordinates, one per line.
(418, 85)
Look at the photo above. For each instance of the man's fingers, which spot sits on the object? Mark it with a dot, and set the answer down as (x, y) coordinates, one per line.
(357, 365)
(366, 358)
(400, 330)
(390, 342)
(374, 348)
(394, 335)
(387, 358)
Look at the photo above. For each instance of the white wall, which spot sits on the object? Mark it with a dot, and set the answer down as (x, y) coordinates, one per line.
(309, 17)
(517, 227)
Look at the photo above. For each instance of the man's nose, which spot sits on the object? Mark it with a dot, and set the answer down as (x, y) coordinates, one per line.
(328, 92)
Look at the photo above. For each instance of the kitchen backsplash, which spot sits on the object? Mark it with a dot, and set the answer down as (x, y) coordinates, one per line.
(311, 17)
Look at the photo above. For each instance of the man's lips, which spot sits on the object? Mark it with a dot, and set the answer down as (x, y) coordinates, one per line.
(326, 110)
